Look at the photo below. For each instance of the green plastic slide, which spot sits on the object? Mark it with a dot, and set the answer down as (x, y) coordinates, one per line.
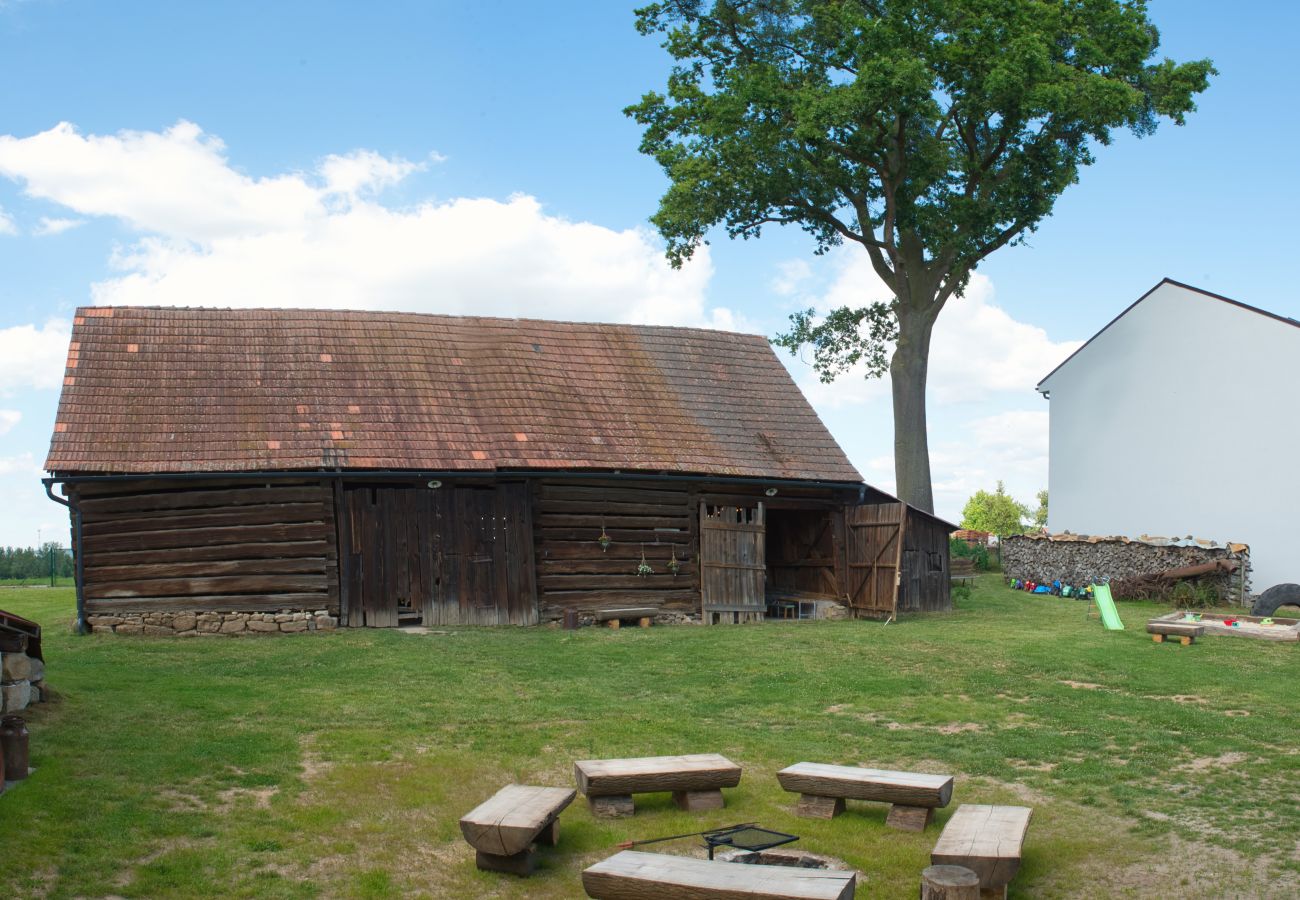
(1106, 606)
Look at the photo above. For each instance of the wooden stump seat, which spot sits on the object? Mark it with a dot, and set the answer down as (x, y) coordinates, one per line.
(988, 841)
(1186, 632)
(696, 781)
(503, 828)
(824, 788)
(644, 616)
(632, 875)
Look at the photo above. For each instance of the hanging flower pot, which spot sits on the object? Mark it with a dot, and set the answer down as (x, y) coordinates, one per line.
(673, 565)
(643, 569)
(604, 540)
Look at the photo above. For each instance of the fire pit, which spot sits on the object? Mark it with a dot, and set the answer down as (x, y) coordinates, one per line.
(747, 837)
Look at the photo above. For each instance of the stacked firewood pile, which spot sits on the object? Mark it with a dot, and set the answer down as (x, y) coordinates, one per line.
(22, 668)
(1136, 568)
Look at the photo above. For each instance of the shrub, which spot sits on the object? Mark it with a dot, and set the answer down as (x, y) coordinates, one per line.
(959, 548)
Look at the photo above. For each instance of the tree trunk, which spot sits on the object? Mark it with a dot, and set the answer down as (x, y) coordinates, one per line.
(907, 375)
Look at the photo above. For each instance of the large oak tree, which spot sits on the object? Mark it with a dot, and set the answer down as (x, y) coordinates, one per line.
(929, 133)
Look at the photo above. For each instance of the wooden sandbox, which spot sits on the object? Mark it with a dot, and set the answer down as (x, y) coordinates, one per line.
(1248, 626)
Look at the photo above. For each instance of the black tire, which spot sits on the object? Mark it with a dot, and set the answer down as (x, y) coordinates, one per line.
(1278, 595)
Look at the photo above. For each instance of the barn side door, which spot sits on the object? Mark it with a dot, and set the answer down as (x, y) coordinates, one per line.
(733, 568)
(451, 556)
(874, 549)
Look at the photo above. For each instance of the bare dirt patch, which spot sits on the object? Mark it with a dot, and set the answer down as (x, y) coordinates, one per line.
(1082, 685)
(1209, 763)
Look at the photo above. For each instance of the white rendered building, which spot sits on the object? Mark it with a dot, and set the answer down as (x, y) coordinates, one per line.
(1182, 417)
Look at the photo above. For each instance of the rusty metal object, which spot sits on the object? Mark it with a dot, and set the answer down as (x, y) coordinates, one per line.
(14, 747)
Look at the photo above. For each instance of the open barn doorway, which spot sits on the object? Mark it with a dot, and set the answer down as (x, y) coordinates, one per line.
(802, 575)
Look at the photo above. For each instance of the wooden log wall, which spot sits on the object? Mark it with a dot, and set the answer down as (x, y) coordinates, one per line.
(152, 546)
(926, 581)
(573, 572)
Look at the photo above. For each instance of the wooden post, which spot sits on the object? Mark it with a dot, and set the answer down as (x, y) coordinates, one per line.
(520, 864)
(696, 801)
(909, 818)
(1158, 638)
(616, 806)
(613, 623)
(812, 806)
(949, 883)
(644, 621)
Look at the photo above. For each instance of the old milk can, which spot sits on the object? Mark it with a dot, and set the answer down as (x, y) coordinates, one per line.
(13, 746)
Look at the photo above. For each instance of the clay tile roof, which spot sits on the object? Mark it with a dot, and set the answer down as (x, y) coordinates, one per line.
(207, 390)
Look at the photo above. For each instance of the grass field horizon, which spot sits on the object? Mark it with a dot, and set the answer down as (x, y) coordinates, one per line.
(337, 765)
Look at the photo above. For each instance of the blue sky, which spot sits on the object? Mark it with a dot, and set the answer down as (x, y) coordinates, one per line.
(473, 157)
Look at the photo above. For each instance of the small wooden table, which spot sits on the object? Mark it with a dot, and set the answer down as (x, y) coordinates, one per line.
(1186, 632)
(696, 781)
(613, 618)
(824, 788)
(503, 828)
(632, 875)
(988, 841)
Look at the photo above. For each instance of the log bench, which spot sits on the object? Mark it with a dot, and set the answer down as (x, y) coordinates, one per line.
(988, 841)
(696, 781)
(824, 788)
(632, 875)
(962, 570)
(1186, 632)
(503, 828)
(614, 618)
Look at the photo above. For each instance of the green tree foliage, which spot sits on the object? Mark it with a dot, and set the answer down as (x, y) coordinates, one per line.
(997, 513)
(1040, 514)
(929, 133)
(33, 563)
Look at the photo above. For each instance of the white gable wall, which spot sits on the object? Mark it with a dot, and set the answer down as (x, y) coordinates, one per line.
(1183, 417)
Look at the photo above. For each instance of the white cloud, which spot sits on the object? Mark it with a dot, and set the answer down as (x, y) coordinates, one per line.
(8, 419)
(790, 276)
(7, 225)
(211, 235)
(32, 356)
(363, 171)
(49, 227)
(976, 348)
(22, 464)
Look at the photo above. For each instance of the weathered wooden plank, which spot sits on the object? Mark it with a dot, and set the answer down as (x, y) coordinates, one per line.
(589, 550)
(634, 536)
(660, 579)
(621, 522)
(212, 603)
(693, 772)
(856, 783)
(593, 599)
(642, 507)
(633, 875)
(222, 584)
(509, 821)
(261, 514)
(985, 839)
(306, 564)
(196, 498)
(233, 534)
(610, 493)
(168, 555)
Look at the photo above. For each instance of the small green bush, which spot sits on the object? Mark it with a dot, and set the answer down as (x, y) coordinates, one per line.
(959, 548)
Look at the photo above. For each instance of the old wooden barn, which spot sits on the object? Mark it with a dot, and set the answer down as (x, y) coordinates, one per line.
(393, 468)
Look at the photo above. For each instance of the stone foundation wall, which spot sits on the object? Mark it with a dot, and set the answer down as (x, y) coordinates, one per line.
(1080, 559)
(191, 624)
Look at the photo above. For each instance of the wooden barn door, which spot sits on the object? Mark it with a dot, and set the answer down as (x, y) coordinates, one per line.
(733, 570)
(874, 552)
(452, 556)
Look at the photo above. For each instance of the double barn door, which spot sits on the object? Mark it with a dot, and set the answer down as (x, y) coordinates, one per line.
(446, 556)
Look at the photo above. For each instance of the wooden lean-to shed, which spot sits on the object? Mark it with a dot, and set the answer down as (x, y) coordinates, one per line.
(391, 468)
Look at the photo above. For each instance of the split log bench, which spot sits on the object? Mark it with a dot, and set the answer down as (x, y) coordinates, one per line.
(614, 618)
(988, 841)
(503, 828)
(696, 781)
(632, 875)
(1186, 632)
(823, 790)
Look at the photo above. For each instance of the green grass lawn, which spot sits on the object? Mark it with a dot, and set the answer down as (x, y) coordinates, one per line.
(337, 765)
